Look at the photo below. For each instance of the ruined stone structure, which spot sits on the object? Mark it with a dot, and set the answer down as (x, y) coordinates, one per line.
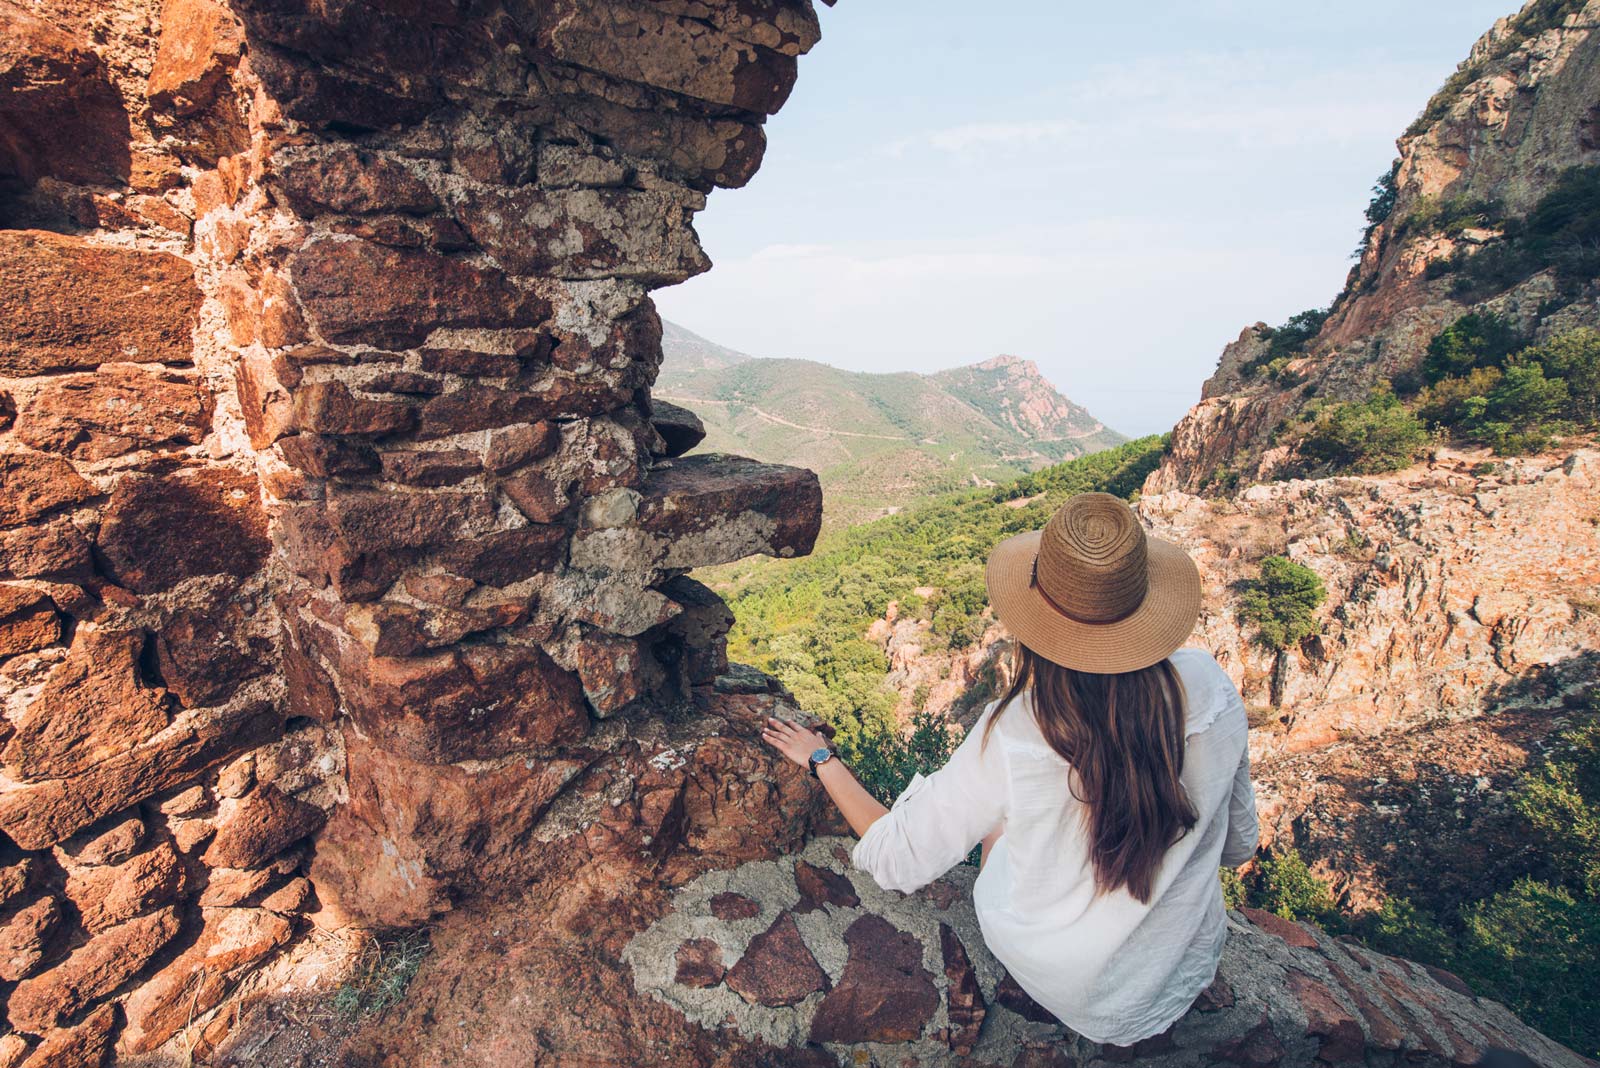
(343, 566)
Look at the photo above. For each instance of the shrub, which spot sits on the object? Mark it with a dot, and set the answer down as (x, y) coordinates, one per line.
(1562, 803)
(885, 761)
(1385, 191)
(1288, 340)
(1363, 437)
(1478, 339)
(1526, 946)
(1282, 603)
(1574, 358)
(1284, 885)
(1234, 893)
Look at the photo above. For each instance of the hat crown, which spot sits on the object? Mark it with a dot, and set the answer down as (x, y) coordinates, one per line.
(1093, 561)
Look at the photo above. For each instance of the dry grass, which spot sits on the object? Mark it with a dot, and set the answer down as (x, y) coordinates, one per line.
(383, 973)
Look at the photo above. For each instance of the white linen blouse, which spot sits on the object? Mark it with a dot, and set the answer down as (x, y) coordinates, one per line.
(1111, 968)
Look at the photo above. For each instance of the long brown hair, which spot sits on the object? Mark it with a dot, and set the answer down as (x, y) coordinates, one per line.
(1123, 735)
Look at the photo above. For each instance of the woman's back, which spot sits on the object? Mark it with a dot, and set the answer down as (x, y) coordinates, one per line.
(1113, 968)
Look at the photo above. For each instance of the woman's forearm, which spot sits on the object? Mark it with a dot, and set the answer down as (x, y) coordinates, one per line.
(859, 808)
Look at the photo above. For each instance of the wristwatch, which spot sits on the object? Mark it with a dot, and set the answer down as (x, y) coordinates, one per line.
(819, 756)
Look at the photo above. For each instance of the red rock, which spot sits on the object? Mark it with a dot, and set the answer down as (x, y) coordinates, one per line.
(699, 963)
(293, 896)
(512, 446)
(393, 298)
(1219, 995)
(159, 530)
(470, 362)
(422, 467)
(347, 180)
(474, 702)
(28, 620)
(1010, 994)
(389, 629)
(227, 887)
(63, 116)
(116, 410)
(330, 408)
(414, 835)
(204, 654)
(506, 556)
(261, 826)
(145, 307)
(15, 879)
(230, 941)
(1293, 933)
(731, 906)
(200, 44)
(615, 671)
(32, 485)
(24, 935)
(37, 815)
(884, 995)
(405, 382)
(108, 896)
(819, 886)
(1383, 1032)
(479, 407)
(13, 1050)
(1449, 980)
(680, 429)
(82, 1046)
(540, 495)
(1258, 1047)
(777, 968)
(52, 548)
(92, 971)
(327, 457)
(963, 996)
(94, 705)
(111, 841)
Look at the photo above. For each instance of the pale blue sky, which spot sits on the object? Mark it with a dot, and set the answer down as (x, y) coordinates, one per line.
(1113, 191)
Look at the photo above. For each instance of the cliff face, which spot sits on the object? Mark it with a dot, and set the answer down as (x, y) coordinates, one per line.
(343, 557)
(1518, 113)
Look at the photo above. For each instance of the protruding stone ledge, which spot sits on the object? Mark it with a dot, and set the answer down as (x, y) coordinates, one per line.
(704, 510)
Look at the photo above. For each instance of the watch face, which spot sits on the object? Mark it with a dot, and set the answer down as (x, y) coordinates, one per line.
(819, 755)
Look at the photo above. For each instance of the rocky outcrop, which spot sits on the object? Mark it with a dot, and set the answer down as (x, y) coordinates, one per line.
(1500, 133)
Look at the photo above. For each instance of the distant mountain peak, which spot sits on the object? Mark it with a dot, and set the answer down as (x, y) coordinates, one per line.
(1006, 362)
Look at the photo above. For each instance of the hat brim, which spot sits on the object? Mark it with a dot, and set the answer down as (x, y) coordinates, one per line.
(1153, 632)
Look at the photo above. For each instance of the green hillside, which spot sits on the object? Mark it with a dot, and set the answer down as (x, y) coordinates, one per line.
(879, 441)
(805, 620)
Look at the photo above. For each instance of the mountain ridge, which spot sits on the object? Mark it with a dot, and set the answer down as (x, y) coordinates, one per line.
(878, 440)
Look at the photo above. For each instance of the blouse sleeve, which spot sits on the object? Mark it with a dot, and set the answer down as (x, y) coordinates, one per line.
(1244, 830)
(936, 822)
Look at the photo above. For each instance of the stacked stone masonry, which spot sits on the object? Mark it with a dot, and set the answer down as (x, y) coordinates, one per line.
(343, 553)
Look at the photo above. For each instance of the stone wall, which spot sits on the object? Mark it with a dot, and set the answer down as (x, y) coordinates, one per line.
(332, 485)
(344, 551)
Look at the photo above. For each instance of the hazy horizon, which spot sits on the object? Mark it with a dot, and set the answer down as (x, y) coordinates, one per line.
(1113, 194)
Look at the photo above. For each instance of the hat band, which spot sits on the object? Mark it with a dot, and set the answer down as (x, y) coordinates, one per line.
(1033, 580)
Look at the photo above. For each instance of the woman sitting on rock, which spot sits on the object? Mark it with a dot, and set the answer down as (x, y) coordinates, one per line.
(1106, 786)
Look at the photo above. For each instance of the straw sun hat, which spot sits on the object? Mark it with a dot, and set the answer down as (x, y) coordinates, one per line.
(1092, 592)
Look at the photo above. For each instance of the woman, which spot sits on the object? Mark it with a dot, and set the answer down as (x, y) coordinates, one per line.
(1106, 786)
